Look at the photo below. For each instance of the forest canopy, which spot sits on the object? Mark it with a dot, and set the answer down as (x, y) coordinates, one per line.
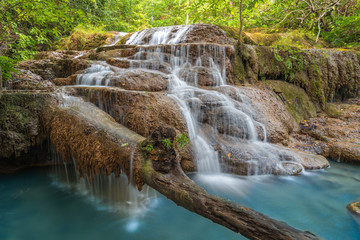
(29, 26)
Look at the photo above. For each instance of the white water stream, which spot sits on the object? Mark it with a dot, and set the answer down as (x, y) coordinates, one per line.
(215, 112)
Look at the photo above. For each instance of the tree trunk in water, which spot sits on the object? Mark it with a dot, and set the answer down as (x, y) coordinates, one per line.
(163, 173)
(241, 21)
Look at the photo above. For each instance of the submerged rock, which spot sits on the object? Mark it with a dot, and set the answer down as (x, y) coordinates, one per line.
(354, 207)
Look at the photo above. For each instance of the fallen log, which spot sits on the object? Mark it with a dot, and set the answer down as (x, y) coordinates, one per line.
(173, 183)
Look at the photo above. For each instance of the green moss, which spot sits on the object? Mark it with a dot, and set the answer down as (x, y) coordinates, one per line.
(84, 39)
(332, 111)
(185, 198)
(297, 102)
(123, 40)
(18, 110)
(240, 76)
(231, 32)
(288, 38)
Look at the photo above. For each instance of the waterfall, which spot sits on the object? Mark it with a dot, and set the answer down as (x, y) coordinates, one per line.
(117, 194)
(114, 193)
(220, 118)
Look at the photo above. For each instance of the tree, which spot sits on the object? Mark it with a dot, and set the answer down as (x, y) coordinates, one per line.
(29, 26)
(310, 12)
(241, 20)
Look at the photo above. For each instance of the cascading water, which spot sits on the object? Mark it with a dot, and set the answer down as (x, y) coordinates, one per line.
(114, 193)
(219, 117)
(160, 35)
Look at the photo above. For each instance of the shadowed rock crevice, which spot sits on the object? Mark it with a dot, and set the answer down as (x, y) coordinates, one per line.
(22, 136)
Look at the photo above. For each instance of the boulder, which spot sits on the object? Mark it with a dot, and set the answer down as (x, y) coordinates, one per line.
(139, 80)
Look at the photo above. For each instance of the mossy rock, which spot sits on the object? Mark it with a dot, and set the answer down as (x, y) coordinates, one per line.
(84, 40)
(332, 110)
(325, 75)
(289, 38)
(20, 123)
(354, 208)
(123, 40)
(231, 32)
(297, 101)
(19, 110)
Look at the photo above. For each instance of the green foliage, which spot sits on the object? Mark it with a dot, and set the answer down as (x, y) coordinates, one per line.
(167, 143)
(7, 67)
(345, 31)
(84, 38)
(182, 140)
(149, 147)
(30, 26)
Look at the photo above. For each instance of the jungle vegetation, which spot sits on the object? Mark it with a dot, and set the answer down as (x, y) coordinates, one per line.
(29, 26)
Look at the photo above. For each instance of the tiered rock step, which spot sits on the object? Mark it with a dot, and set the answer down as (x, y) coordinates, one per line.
(140, 111)
(194, 51)
(135, 64)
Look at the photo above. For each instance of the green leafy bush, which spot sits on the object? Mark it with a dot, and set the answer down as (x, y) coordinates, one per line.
(345, 32)
(7, 67)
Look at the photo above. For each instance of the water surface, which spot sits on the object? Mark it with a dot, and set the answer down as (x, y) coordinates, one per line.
(33, 206)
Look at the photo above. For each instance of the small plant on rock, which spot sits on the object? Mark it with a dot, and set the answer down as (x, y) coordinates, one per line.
(149, 147)
(167, 143)
(182, 140)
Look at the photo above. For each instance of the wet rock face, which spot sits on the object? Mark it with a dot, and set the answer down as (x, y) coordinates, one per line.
(27, 80)
(38, 74)
(208, 33)
(113, 147)
(50, 69)
(296, 100)
(262, 104)
(142, 112)
(139, 80)
(56, 55)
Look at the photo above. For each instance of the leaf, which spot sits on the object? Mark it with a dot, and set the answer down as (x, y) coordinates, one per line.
(124, 144)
